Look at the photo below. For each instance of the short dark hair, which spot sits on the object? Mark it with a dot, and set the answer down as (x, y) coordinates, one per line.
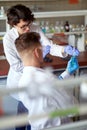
(17, 12)
(27, 40)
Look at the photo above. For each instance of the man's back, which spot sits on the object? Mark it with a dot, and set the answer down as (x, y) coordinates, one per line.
(41, 96)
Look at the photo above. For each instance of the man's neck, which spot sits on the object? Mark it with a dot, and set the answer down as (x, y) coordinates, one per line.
(34, 64)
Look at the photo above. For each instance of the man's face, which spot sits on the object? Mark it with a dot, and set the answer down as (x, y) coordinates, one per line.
(23, 26)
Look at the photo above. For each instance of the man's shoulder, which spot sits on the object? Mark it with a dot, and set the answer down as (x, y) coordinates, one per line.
(31, 72)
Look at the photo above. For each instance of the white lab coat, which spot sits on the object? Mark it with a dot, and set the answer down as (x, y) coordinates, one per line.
(16, 66)
(41, 96)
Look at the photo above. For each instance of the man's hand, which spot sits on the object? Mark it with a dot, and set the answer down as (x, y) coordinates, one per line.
(72, 65)
(46, 50)
(71, 50)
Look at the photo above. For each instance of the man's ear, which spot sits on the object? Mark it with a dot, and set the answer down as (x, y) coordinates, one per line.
(37, 52)
(14, 25)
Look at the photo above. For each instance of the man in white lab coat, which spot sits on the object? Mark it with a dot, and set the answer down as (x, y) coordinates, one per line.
(41, 95)
(21, 19)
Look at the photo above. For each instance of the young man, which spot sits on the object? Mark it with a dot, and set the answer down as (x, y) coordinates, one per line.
(42, 96)
(21, 19)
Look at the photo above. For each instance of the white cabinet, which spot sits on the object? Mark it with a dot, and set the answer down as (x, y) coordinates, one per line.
(80, 42)
(53, 14)
(60, 13)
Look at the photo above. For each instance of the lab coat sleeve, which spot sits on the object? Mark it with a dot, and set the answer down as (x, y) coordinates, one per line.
(12, 54)
(64, 75)
(55, 50)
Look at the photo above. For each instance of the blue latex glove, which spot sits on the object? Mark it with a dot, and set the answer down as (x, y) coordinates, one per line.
(72, 65)
(46, 50)
(71, 50)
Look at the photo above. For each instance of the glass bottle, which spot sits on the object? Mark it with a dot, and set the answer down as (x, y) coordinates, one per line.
(57, 27)
(82, 27)
(52, 29)
(42, 25)
(66, 26)
(47, 27)
(61, 26)
(2, 11)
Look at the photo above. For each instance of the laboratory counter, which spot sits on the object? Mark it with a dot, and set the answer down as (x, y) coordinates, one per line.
(57, 63)
(61, 63)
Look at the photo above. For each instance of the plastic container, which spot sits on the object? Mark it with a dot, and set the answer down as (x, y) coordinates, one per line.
(2, 11)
